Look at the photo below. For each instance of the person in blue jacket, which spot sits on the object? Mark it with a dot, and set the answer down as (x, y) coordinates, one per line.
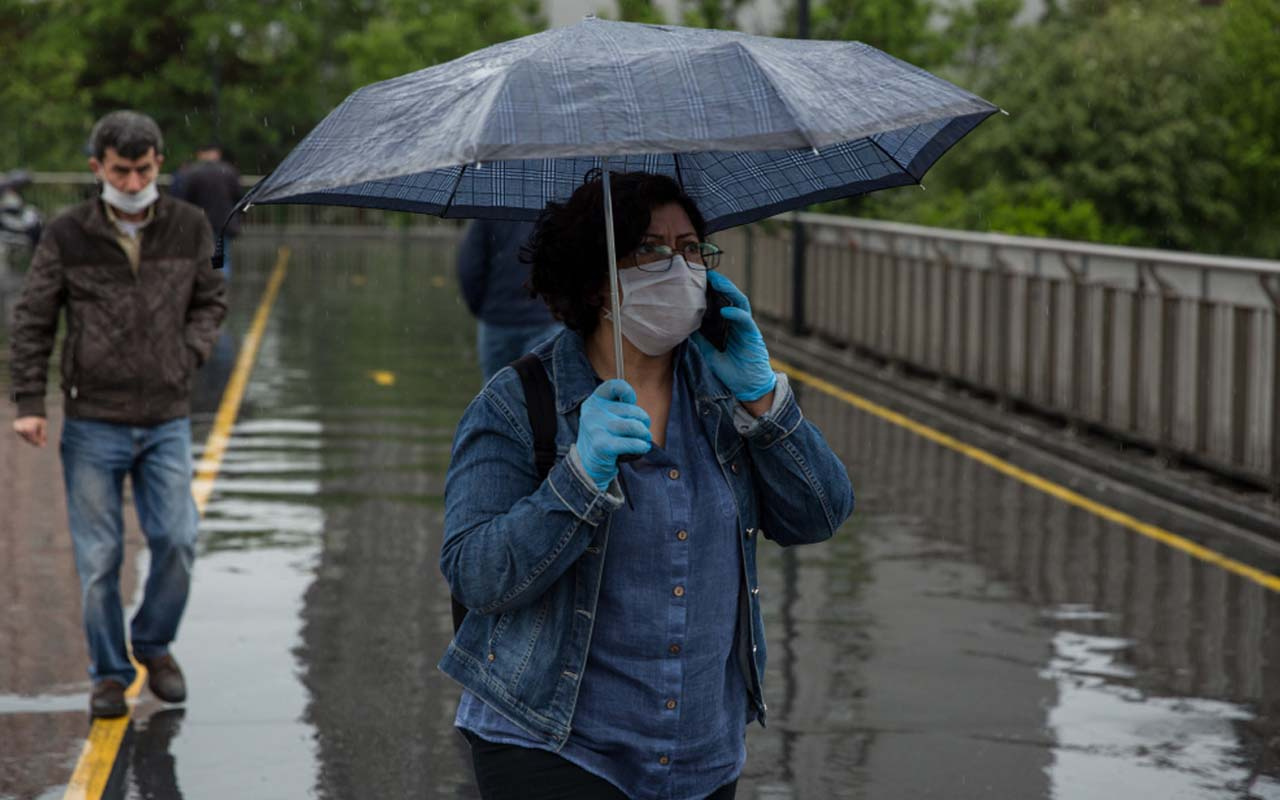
(614, 645)
(509, 319)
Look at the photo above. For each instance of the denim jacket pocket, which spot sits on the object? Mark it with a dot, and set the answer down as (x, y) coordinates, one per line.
(513, 641)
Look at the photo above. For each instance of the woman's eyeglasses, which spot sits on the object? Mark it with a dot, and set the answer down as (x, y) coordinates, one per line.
(659, 257)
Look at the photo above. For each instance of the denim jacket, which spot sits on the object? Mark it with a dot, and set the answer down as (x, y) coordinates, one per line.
(526, 556)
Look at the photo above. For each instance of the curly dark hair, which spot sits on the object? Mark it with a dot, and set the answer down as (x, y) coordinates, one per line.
(568, 251)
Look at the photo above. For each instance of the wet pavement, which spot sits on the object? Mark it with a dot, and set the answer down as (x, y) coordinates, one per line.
(965, 636)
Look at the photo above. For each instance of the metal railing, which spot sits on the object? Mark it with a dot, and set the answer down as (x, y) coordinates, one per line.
(53, 191)
(1179, 352)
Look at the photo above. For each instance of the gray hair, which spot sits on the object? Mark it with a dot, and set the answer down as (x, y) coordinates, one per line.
(129, 133)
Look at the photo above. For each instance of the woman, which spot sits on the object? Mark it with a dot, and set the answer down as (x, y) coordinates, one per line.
(614, 645)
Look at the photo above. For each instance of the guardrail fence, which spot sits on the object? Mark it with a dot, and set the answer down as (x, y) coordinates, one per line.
(1176, 351)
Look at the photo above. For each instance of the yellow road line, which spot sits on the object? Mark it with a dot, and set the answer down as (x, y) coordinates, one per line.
(98, 757)
(1161, 535)
(216, 445)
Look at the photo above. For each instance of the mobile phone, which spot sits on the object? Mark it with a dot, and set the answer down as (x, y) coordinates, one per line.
(714, 326)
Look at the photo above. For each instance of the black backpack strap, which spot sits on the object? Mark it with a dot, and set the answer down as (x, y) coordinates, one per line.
(540, 398)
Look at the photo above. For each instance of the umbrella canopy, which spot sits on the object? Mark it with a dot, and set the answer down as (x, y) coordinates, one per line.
(750, 126)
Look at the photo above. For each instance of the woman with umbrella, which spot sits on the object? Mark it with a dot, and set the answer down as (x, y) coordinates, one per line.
(614, 645)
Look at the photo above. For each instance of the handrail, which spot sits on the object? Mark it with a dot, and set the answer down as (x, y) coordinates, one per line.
(1066, 246)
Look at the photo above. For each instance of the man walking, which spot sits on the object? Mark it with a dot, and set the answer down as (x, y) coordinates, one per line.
(143, 305)
(214, 185)
(510, 320)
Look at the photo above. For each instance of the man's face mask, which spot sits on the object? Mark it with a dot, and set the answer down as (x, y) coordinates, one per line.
(128, 185)
(130, 203)
(661, 309)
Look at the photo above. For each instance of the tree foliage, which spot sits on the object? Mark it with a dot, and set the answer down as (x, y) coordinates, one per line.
(1152, 122)
(1130, 122)
(254, 75)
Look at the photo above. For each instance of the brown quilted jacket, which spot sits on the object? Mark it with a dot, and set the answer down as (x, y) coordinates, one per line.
(133, 340)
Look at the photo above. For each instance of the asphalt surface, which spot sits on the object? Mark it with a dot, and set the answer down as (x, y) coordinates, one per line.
(965, 636)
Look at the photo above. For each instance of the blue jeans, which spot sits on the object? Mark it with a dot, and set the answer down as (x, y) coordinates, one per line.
(499, 345)
(226, 258)
(96, 456)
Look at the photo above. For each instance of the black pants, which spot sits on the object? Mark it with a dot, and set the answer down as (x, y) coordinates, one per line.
(508, 772)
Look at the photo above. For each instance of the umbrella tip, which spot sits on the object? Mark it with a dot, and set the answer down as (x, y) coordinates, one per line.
(1002, 111)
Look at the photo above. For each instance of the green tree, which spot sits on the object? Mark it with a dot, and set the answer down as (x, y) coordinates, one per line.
(1108, 108)
(1247, 91)
(44, 112)
(407, 34)
(901, 28)
(255, 75)
(640, 11)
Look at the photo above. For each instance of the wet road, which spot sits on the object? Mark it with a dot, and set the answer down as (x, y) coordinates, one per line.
(964, 637)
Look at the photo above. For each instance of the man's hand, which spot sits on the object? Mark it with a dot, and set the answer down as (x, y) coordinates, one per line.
(34, 430)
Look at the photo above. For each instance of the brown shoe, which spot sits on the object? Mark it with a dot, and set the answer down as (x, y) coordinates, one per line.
(164, 678)
(107, 700)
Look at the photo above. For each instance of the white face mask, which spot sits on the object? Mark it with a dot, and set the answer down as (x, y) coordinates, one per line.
(134, 203)
(661, 309)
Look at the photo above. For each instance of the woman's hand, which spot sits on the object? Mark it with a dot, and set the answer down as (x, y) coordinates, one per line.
(743, 365)
(611, 425)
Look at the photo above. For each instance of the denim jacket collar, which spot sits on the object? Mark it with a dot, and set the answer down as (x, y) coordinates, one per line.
(575, 378)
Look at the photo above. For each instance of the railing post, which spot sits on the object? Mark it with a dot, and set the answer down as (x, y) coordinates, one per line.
(1167, 383)
(798, 326)
(1079, 318)
(1273, 294)
(1004, 320)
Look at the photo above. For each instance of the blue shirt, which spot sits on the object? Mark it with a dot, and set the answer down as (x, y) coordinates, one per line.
(663, 706)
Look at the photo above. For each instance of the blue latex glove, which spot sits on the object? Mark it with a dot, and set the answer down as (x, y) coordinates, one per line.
(611, 425)
(743, 366)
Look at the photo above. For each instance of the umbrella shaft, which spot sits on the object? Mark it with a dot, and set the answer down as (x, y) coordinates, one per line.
(615, 304)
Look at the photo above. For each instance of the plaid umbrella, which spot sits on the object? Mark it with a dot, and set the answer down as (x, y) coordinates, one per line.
(750, 126)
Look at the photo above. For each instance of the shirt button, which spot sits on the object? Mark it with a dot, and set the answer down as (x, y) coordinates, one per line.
(674, 474)
(663, 760)
(674, 649)
(671, 705)
(682, 535)
(678, 591)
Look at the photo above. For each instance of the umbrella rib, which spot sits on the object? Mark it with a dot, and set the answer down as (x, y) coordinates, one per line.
(768, 79)
(895, 161)
(448, 204)
(506, 76)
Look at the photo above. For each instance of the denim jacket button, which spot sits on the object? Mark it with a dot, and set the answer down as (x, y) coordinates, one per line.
(734, 468)
(756, 590)
(492, 657)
